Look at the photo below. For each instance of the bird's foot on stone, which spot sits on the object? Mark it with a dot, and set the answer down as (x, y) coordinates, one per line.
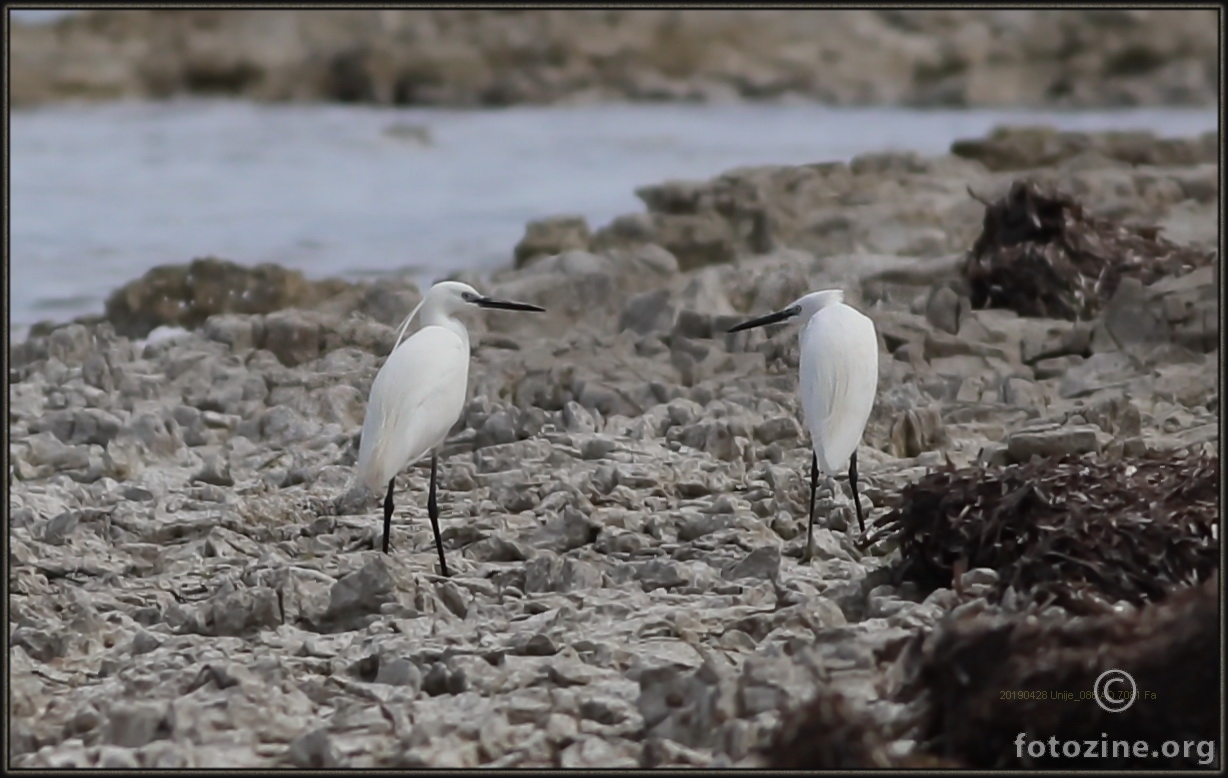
(808, 554)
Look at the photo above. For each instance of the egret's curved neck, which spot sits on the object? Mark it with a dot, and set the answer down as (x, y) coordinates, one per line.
(435, 315)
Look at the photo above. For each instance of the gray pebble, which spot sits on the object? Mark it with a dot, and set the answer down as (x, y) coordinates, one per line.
(71, 344)
(47, 451)
(779, 428)
(236, 331)
(360, 593)
(59, 528)
(499, 427)
(191, 424)
(117, 758)
(597, 447)
(216, 471)
(42, 645)
(399, 672)
(599, 398)
(548, 572)
(136, 493)
(647, 312)
(942, 309)
(692, 324)
(143, 642)
(134, 724)
(440, 680)
(292, 337)
(1055, 442)
(577, 418)
(313, 750)
(763, 563)
(242, 612)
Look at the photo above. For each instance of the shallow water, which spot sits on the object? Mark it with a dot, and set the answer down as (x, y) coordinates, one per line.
(32, 16)
(101, 193)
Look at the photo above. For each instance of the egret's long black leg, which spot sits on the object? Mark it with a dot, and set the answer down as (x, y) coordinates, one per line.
(433, 510)
(814, 485)
(856, 497)
(388, 513)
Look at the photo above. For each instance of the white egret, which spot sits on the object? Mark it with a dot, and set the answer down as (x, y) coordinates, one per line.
(838, 377)
(418, 395)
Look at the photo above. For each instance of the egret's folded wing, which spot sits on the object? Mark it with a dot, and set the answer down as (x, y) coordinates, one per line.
(839, 377)
(415, 399)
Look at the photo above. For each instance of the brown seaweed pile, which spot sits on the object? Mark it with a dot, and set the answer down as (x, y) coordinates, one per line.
(984, 681)
(830, 734)
(1079, 533)
(1040, 253)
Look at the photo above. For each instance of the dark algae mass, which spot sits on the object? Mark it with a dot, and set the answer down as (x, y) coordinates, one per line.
(1043, 253)
(1075, 531)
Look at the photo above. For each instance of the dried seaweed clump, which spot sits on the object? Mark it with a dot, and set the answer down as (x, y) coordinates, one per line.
(984, 680)
(1040, 253)
(1081, 533)
(830, 734)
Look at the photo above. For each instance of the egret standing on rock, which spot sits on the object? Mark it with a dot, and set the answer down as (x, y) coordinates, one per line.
(838, 378)
(418, 395)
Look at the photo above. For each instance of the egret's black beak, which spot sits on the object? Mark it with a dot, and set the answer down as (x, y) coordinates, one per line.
(763, 321)
(505, 305)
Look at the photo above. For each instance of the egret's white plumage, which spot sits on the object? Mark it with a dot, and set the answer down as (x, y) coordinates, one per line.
(407, 417)
(418, 394)
(838, 377)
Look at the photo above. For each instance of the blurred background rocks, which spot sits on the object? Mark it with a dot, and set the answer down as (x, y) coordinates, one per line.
(1076, 58)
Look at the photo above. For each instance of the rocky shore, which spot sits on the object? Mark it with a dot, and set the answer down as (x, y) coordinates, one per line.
(1049, 57)
(194, 582)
